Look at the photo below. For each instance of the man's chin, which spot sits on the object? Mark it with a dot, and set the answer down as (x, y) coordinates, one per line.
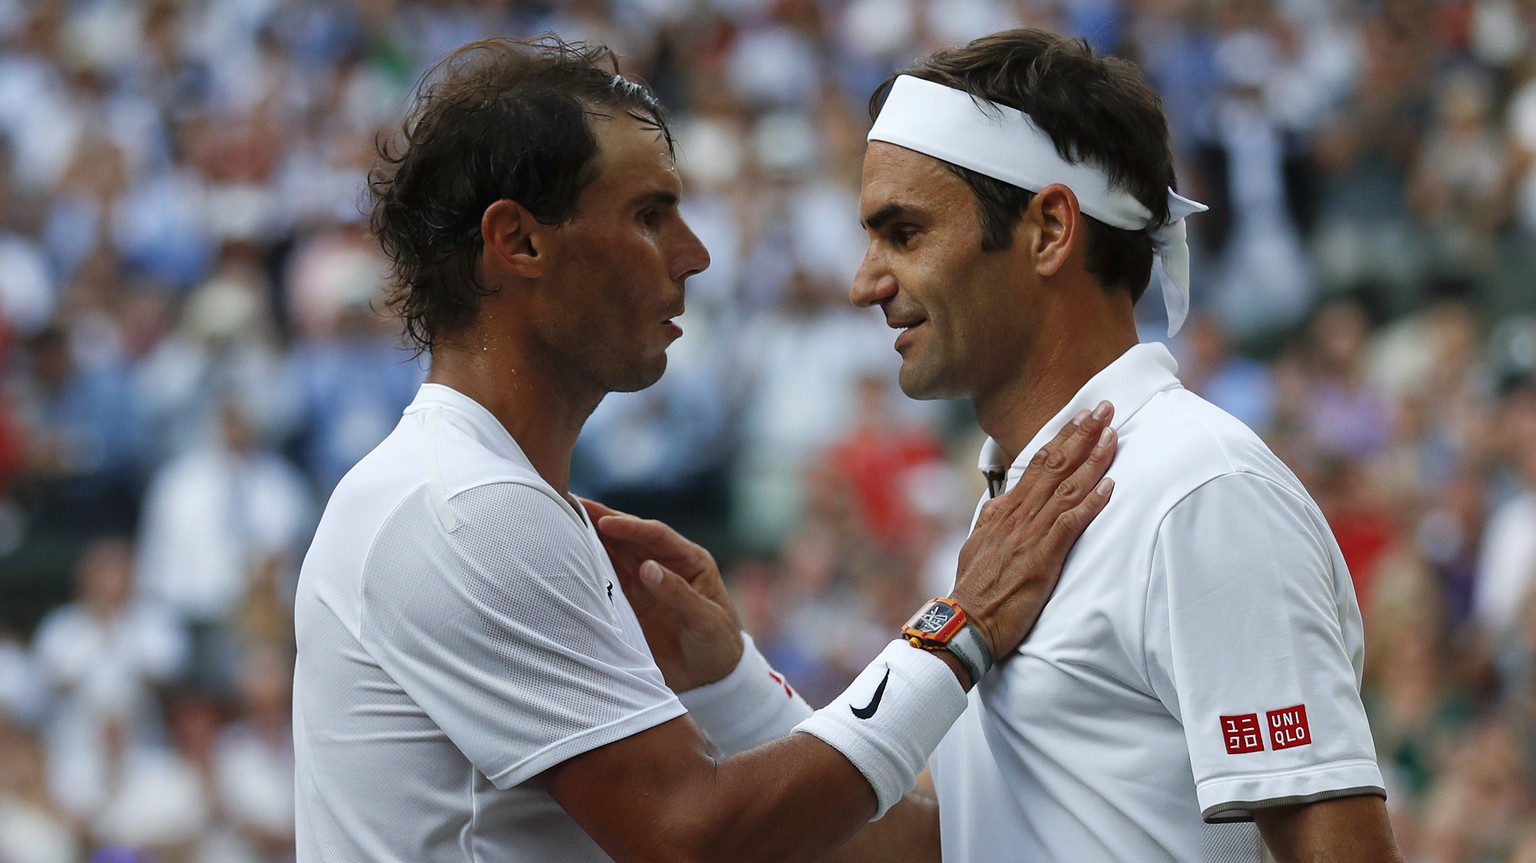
(921, 387)
(641, 376)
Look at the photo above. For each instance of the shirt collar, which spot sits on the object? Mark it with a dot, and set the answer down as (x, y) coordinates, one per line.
(490, 432)
(487, 428)
(1128, 383)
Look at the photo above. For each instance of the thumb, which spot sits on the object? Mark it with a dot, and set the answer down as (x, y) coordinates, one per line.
(653, 574)
(671, 590)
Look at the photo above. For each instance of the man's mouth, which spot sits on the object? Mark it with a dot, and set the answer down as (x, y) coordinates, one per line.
(907, 328)
(671, 323)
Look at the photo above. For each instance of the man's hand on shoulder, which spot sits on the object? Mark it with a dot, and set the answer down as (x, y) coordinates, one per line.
(675, 588)
(1010, 563)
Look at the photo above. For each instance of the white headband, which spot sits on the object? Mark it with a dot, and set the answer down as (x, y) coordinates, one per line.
(1005, 144)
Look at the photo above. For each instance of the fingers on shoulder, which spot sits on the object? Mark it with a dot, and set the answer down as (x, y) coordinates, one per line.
(1087, 474)
(1075, 441)
(1070, 523)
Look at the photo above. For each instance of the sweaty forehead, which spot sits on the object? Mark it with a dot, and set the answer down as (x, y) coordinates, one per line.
(630, 153)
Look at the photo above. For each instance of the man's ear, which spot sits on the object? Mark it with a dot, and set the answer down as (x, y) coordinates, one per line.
(512, 238)
(1056, 224)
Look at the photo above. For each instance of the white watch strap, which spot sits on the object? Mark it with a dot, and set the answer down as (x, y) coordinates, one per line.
(971, 649)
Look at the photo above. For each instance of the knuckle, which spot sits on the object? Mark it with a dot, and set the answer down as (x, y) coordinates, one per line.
(1068, 489)
(1039, 459)
(1070, 522)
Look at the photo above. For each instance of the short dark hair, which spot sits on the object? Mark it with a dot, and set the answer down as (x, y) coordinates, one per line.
(496, 119)
(1098, 110)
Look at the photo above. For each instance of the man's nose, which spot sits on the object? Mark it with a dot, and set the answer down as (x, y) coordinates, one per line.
(692, 258)
(872, 284)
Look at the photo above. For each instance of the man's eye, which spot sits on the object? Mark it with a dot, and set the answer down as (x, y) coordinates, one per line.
(650, 217)
(902, 235)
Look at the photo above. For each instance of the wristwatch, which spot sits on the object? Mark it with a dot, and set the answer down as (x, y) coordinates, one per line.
(943, 625)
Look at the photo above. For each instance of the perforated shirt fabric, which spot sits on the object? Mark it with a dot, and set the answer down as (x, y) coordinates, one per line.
(460, 630)
(1200, 657)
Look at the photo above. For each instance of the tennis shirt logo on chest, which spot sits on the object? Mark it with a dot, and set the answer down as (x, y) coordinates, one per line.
(1283, 729)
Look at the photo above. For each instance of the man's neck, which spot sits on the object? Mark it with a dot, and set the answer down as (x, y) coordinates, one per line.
(1061, 364)
(543, 417)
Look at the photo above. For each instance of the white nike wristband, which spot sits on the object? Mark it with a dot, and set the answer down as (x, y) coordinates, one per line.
(750, 706)
(891, 718)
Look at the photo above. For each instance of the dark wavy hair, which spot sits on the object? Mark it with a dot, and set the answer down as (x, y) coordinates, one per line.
(496, 119)
(1098, 110)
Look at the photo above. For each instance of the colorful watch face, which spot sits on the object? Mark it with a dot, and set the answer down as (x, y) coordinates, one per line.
(936, 624)
(931, 620)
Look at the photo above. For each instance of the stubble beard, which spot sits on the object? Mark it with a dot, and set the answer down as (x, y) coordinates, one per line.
(637, 376)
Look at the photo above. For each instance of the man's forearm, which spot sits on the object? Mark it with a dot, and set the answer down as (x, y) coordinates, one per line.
(1343, 830)
(909, 832)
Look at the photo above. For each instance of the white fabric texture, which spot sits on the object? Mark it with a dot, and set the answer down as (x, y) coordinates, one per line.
(918, 699)
(748, 707)
(1005, 143)
(460, 630)
(1209, 587)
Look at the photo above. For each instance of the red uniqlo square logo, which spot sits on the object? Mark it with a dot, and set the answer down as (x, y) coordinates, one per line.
(1288, 727)
(1242, 733)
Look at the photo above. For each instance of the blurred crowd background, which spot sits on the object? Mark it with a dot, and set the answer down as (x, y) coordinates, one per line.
(191, 357)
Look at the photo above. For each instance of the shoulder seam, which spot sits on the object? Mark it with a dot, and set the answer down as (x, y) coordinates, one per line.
(434, 474)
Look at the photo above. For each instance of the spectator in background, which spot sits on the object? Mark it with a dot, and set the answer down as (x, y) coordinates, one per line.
(33, 828)
(1237, 384)
(1507, 572)
(28, 287)
(79, 222)
(873, 463)
(1476, 810)
(158, 796)
(1252, 157)
(1418, 705)
(1364, 149)
(785, 425)
(213, 518)
(1459, 187)
(252, 760)
(1343, 415)
(101, 659)
(85, 459)
(349, 377)
(223, 350)
(22, 697)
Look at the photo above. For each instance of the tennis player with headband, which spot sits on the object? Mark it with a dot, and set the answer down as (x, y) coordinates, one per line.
(1193, 685)
(1191, 690)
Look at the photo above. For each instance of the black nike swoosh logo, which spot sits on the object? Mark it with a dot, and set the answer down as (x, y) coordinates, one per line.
(874, 703)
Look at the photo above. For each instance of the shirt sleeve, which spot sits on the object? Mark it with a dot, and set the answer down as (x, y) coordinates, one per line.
(503, 629)
(1254, 641)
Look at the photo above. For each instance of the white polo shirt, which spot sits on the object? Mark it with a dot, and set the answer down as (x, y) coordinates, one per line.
(1200, 657)
(460, 629)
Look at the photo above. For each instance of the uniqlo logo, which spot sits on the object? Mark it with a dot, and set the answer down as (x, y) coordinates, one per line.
(1242, 733)
(1288, 727)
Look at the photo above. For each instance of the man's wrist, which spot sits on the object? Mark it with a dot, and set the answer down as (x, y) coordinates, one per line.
(749, 706)
(943, 626)
(891, 718)
(958, 667)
